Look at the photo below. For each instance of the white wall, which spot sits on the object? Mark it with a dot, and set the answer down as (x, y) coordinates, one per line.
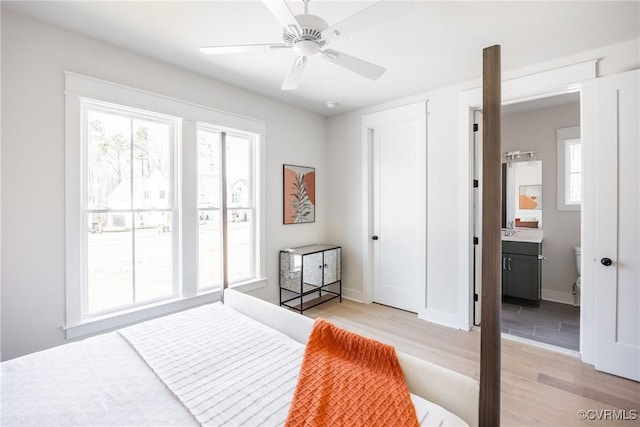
(536, 130)
(447, 239)
(34, 57)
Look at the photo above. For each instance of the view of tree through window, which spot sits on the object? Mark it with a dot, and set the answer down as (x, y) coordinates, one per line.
(129, 206)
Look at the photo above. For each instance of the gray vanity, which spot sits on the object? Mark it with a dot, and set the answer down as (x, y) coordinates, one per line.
(522, 270)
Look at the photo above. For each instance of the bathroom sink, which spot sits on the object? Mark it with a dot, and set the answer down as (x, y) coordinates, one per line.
(524, 235)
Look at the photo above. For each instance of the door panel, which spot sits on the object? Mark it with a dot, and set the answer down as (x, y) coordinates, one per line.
(399, 212)
(618, 226)
(523, 276)
(331, 266)
(312, 265)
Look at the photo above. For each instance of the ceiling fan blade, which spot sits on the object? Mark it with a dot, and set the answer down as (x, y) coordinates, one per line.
(373, 15)
(215, 50)
(283, 14)
(295, 74)
(364, 68)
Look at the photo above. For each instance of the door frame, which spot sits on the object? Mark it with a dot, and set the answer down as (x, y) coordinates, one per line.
(573, 78)
(370, 122)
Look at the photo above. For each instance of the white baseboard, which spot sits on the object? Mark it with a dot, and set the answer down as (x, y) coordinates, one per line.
(444, 318)
(561, 297)
(352, 295)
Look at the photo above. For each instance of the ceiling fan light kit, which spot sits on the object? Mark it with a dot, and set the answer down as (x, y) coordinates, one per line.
(308, 34)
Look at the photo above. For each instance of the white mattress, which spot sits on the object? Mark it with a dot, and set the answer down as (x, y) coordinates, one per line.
(104, 381)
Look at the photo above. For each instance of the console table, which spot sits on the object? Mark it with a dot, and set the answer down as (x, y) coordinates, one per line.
(310, 275)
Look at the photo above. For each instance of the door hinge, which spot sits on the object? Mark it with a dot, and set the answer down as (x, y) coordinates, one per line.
(475, 183)
(475, 297)
(475, 127)
(475, 241)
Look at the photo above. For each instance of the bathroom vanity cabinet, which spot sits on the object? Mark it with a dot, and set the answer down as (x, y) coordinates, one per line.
(522, 271)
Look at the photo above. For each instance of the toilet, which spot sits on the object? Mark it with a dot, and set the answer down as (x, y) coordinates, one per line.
(576, 251)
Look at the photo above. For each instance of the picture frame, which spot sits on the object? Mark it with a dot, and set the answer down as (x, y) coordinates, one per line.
(298, 194)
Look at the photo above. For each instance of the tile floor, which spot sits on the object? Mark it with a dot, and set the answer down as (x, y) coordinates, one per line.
(551, 323)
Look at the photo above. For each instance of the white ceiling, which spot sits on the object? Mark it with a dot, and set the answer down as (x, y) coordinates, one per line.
(436, 45)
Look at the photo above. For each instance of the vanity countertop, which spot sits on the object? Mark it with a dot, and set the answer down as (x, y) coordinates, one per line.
(526, 235)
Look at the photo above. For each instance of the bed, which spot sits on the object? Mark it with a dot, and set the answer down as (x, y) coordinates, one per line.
(154, 373)
(220, 364)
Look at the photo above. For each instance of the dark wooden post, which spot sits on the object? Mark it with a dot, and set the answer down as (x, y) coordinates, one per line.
(491, 245)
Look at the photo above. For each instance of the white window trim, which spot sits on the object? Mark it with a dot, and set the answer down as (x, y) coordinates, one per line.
(564, 135)
(78, 87)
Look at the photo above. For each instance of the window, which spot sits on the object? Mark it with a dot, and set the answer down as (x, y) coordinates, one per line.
(569, 163)
(238, 162)
(129, 262)
(147, 229)
(573, 172)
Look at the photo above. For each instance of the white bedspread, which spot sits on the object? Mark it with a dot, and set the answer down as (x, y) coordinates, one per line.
(227, 369)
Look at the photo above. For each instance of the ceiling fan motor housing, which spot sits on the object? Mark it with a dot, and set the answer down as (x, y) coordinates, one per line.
(309, 41)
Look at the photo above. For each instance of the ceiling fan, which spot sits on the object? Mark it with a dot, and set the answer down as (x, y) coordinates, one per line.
(308, 35)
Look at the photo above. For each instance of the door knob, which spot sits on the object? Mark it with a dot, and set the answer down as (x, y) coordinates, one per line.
(374, 237)
(606, 262)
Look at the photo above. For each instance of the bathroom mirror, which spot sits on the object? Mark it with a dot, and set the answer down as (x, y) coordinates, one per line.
(522, 200)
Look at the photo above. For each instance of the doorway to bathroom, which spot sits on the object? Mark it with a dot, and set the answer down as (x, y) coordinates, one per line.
(541, 220)
(545, 199)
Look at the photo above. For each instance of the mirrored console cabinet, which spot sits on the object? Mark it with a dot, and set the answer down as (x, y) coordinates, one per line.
(310, 275)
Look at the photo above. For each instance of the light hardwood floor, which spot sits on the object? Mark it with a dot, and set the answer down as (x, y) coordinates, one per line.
(540, 387)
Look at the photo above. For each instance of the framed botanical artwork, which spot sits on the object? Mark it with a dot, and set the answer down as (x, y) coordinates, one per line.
(299, 194)
(530, 197)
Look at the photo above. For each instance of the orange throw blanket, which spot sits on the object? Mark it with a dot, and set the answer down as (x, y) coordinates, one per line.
(349, 380)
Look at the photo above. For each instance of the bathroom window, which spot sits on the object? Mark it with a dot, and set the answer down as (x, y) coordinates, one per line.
(569, 169)
(573, 172)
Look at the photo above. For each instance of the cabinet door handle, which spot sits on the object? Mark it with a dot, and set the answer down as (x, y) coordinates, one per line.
(504, 263)
(326, 266)
(509, 263)
(320, 267)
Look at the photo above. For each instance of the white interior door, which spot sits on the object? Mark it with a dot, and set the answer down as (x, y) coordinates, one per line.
(399, 211)
(618, 226)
